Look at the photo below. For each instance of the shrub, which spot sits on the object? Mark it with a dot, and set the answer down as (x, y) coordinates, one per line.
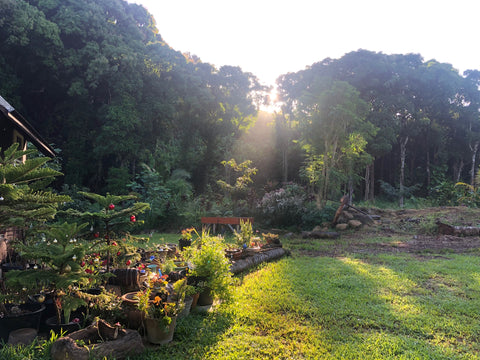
(283, 207)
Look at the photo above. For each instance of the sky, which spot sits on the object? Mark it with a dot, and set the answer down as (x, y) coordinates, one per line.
(273, 37)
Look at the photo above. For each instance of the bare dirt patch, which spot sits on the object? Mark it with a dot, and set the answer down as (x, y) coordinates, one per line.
(406, 231)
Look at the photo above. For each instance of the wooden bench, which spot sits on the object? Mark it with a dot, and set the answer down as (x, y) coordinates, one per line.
(213, 222)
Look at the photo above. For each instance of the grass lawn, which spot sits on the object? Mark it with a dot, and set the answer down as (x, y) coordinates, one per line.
(346, 298)
(369, 306)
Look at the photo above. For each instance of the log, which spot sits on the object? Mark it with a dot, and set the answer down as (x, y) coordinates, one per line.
(258, 258)
(446, 229)
(320, 234)
(117, 343)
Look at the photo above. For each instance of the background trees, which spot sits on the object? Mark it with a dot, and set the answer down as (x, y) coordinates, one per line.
(419, 111)
(128, 112)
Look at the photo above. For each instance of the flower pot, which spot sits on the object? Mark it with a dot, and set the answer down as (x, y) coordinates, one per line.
(156, 331)
(52, 324)
(205, 298)
(28, 317)
(183, 243)
(234, 254)
(194, 300)
(134, 316)
(129, 278)
(188, 305)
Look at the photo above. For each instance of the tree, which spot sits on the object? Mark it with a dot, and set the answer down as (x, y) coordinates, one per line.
(24, 200)
(334, 131)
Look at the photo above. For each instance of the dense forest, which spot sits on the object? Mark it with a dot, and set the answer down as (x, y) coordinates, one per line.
(127, 113)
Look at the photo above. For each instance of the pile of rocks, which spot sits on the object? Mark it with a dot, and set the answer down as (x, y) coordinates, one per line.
(355, 220)
(347, 220)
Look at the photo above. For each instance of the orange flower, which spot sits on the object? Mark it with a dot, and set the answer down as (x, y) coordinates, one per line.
(157, 300)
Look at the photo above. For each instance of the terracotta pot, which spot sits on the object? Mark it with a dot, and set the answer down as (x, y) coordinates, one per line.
(134, 316)
(156, 332)
(194, 301)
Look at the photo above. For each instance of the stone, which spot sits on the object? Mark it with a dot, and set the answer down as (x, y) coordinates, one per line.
(341, 226)
(23, 336)
(347, 215)
(355, 224)
(317, 228)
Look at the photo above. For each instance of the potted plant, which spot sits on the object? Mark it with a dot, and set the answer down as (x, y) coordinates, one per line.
(58, 256)
(186, 238)
(160, 303)
(110, 220)
(25, 205)
(17, 313)
(245, 234)
(210, 269)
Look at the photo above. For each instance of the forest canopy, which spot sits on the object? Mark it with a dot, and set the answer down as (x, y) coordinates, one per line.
(129, 113)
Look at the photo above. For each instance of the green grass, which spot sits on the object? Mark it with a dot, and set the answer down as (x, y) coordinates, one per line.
(359, 306)
(367, 306)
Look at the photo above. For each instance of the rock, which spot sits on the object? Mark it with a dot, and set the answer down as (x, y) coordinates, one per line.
(354, 224)
(342, 226)
(347, 215)
(23, 336)
(317, 228)
(364, 219)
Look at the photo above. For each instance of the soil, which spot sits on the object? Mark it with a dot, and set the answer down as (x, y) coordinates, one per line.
(406, 231)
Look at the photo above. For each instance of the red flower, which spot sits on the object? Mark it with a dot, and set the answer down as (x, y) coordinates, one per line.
(128, 262)
(111, 206)
(114, 243)
(118, 253)
(133, 218)
(104, 262)
(88, 271)
(82, 264)
(97, 234)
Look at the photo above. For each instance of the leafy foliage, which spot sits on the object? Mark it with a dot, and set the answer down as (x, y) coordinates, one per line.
(23, 199)
(284, 206)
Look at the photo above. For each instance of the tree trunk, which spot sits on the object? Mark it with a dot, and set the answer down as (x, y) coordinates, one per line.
(428, 171)
(457, 170)
(350, 190)
(285, 165)
(372, 182)
(367, 183)
(403, 153)
(474, 150)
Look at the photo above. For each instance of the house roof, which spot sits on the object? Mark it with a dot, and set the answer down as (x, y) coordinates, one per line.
(24, 127)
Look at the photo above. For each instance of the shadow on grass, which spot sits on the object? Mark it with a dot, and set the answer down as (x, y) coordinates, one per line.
(193, 337)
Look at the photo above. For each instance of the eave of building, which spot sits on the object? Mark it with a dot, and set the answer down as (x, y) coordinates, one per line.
(25, 128)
